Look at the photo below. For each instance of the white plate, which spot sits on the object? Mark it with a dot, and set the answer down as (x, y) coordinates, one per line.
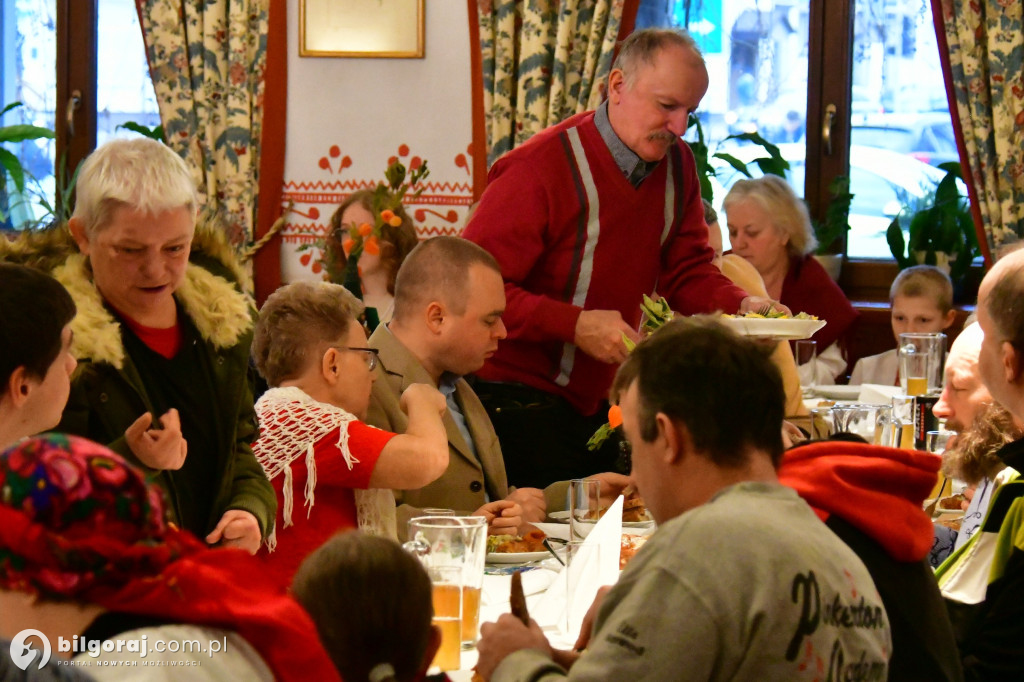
(782, 329)
(563, 517)
(515, 557)
(838, 392)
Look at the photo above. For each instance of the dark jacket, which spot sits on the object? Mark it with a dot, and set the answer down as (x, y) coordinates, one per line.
(871, 497)
(107, 393)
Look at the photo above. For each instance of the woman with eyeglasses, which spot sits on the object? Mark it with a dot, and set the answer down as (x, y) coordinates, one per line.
(313, 443)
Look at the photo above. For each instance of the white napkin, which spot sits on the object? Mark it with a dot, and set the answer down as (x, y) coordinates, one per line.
(877, 394)
(587, 578)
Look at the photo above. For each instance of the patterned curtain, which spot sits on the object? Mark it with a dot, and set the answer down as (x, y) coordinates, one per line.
(986, 53)
(207, 60)
(543, 61)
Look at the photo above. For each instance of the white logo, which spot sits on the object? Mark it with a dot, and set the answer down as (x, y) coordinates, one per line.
(22, 654)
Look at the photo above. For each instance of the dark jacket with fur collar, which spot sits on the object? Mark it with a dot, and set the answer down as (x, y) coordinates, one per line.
(107, 393)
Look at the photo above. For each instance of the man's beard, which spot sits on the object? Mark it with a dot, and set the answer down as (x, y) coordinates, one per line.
(973, 455)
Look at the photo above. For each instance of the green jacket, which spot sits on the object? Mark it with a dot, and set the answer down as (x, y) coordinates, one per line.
(107, 393)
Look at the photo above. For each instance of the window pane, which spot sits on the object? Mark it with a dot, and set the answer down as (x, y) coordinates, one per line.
(900, 125)
(124, 88)
(28, 75)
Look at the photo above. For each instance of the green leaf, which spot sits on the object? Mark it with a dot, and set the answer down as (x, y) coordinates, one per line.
(600, 436)
(10, 106)
(734, 162)
(12, 165)
(156, 133)
(21, 132)
(628, 342)
(897, 245)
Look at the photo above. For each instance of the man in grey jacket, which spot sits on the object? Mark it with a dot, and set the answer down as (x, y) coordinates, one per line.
(741, 581)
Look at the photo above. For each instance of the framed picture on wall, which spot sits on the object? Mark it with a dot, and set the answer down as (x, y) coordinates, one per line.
(361, 28)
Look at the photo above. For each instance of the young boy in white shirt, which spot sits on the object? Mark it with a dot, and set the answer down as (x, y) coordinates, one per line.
(922, 302)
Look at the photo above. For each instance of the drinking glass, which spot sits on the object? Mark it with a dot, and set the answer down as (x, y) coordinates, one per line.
(921, 357)
(805, 353)
(584, 507)
(447, 597)
(866, 421)
(459, 542)
(582, 565)
(937, 441)
(434, 511)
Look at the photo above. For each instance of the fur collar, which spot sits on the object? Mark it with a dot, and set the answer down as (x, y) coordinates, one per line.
(220, 312)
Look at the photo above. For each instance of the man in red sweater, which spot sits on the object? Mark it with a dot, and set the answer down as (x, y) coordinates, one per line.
(585, 218)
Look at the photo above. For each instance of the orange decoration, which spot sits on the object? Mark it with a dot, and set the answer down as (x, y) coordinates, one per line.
(371, 246)
(615, 416)
(386, 215)
(365, 230)
(347, 245)
(395, 221)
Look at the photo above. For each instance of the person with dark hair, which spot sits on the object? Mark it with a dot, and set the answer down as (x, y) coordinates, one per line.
(990, 639)
(35, 351)
(585, 218)
(873, 499)
(378, 267)
(741, 581)
(90, 561)
(371, 602)
(313, 440)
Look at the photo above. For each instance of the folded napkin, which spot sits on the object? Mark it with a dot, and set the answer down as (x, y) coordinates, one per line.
(878, 394)
(587, 574)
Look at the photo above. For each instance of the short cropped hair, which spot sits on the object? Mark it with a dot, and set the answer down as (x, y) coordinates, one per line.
(786, 211)
(722, 387)
(1006, 302)
(924, 280)
(438, 270)
(371, 603)
(138, 173)
(34, 309)
(295, 321)
(395, 242)
(641, 47)
(710, 214)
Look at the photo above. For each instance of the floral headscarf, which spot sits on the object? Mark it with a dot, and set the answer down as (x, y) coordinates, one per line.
(75, 518)
(79, 523)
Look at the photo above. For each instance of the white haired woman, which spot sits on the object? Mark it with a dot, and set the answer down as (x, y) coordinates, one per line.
(162, 339)
(769, 226)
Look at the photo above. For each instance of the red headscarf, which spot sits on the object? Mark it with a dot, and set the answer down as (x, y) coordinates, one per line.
(79, 523)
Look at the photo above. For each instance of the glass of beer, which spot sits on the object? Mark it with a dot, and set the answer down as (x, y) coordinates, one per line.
(460, 543)
(447, 596)
(921, 358)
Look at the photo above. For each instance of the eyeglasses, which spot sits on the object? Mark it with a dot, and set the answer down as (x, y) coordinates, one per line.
(371, 355)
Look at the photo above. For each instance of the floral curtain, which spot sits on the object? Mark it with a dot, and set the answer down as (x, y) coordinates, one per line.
(986, 53)
(543, 61)
(207, 60)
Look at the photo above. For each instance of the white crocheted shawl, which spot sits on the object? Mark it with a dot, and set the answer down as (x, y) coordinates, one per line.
(290, 425)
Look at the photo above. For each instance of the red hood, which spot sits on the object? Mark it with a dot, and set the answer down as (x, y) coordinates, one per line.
(880, 491)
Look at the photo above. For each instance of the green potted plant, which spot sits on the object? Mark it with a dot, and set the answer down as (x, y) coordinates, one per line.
(940, 229)
(13, 202)
(834, 227)
(773, 163)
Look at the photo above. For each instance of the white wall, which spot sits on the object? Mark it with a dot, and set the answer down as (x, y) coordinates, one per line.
(367, 111)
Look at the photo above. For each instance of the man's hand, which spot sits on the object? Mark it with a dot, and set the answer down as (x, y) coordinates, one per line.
(534, 506)
(237, 528)
(163, 448)
(599, 335)
(755, 304)
(612, 485)
(506, 636)
(503, 517)
(422, 395)
(587, 627)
